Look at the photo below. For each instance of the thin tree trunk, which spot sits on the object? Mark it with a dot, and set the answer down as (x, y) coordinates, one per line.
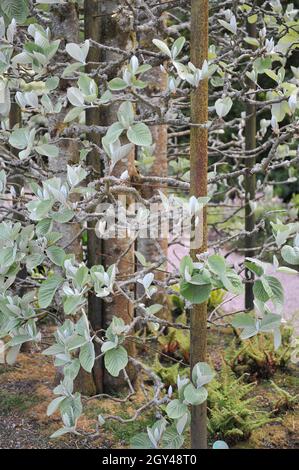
(250, 185)
(153, 248)
(65, 26)
(121, 36)
(92, 30)
(198, 187)
(15, 117)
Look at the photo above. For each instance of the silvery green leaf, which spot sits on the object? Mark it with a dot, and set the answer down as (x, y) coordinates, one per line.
(101, 420)
(277, 291)
(147, 280)
(75, 96)
(118, 152)
(243, 320)
(177, 47)
(88, 87)
(171, 439)
(70, 69)
(106, 97)
(19, 340)
(17, 9)
(141, 441)
(153, 309)
(141, 258)
(220, 445)
(270, 322)
(12, 354)
(75, 342)
(117, 84)
(255, 265)
(108, 345)
(75, 174)
(139, 134)
(77, 52)
(285, 269)
(52, 83)
(195, 396)
(181, 423)
(162, 46)
(87, 356)
(251, 41)
(54, 349)
(115, 360)
(277, 338)
(113, 133)
(47, 290)
(71, 303)
(56, 254)
(223, 106)
(217, 264)
(54, 405)
(290, 254)
(63, 216)
(61, 432)
(231, 26)
(19, 138)
(2, 27)
(249, 331)
(260, 292)
(125, 114)
(3, 180)
(176, 409)
(7, 256)
(73, 114)
(202, 374)
(134, 64)
(48, 150)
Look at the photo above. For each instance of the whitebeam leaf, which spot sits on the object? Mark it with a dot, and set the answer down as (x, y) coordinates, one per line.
(223, 106)
(116, 360)
(139, 134)
(75, 97)
(77, 52)
(87, 356)
(47, 290)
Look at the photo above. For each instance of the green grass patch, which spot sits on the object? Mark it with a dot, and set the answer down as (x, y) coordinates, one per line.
(21, 402)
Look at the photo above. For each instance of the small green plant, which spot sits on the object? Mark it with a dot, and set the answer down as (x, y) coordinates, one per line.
(176, 341)
(232, 414)
(169, 374)
(284, 400)
(258, 357)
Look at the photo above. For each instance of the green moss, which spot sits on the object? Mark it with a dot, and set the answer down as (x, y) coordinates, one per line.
(125, 432)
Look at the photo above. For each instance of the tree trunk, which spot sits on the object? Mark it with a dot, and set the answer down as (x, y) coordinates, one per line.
(157, 83)
(250, 185)
(65, 26)
(198, 187)
(117, 32)
(92, 30)
(15, 117)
